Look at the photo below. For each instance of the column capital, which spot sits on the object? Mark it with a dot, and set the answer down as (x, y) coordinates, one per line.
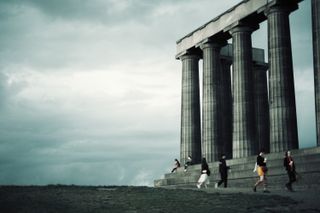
(190, 53)
(279, 6)
(213, 43)
(242, 27)
(190, 56)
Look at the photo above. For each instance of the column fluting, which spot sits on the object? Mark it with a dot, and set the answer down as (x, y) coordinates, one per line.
(261, 106)
(211, 105)
(226, 107)
(243, 97)
(190, 143)
(282, 105)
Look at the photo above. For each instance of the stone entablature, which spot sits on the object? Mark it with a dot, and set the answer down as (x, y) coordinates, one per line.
(247, 9)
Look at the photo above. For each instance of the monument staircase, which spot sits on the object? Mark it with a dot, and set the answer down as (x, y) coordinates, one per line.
(241, 174)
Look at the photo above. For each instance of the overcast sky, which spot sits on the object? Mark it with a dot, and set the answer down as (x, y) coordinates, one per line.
(90, 90)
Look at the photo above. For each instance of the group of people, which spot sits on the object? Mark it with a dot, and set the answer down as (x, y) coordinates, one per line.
(177, 164)
(205, 171)
(260, 167)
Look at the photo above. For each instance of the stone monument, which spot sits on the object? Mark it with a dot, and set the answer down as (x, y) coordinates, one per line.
(243, 111)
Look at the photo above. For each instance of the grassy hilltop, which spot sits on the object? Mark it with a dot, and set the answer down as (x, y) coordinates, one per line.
(67, 199)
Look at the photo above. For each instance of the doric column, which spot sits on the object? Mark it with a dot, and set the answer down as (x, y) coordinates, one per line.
(226, 107)
(243, 98)
(316, 60)
(211, 105)
(261, 106)
(282, 105)
(190, 109)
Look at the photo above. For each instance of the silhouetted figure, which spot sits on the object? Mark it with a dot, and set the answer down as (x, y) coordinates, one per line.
(288, 163)
(262, 171)
(205, 173)
(223, 170)
(176, 165)
(188, 163)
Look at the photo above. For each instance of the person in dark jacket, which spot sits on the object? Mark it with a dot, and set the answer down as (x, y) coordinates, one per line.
(288, 163)
(223, 170)
(262, 171)
(205, 172)
(176, 165)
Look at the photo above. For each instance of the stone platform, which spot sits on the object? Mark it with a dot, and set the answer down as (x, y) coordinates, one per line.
(307, 163)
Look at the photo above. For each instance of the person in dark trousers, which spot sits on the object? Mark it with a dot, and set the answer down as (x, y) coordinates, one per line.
(188, 163)
(262, 171)
(176, 165)
(288, 163)
(223, 170)
(205, 173)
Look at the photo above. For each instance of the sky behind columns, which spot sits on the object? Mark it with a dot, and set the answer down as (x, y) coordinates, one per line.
(90, 90)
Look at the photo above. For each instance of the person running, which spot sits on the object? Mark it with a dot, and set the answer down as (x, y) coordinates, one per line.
(188, 163)
(223, 170)
(262, 171)
(176, 165)
(205, 172)
(288, 163)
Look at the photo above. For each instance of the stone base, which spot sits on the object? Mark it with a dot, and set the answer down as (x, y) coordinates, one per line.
(241, 175)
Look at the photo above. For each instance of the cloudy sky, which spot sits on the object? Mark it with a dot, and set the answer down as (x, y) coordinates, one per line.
(90, 90)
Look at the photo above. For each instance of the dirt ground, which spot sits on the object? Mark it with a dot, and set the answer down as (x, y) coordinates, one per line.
(129, 199)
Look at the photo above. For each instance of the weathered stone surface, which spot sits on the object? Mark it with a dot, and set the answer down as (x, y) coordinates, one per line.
(283, 121)
(226, 108)
(190, 109)
(261, 106)
(211, 104)
(316, 60)
(243, 97)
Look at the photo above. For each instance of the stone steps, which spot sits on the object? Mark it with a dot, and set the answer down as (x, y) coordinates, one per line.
(307, 163)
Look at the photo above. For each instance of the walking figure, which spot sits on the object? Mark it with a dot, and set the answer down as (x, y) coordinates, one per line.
(176, 165)
(205, 172)
(262, 171)
(223, 170)
(288, 163)
(188, 163)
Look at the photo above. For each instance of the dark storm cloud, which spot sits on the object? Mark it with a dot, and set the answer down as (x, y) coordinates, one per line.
(84, 34)
(95, 10)
(54, 34)
(58, 34)
(107, 12)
